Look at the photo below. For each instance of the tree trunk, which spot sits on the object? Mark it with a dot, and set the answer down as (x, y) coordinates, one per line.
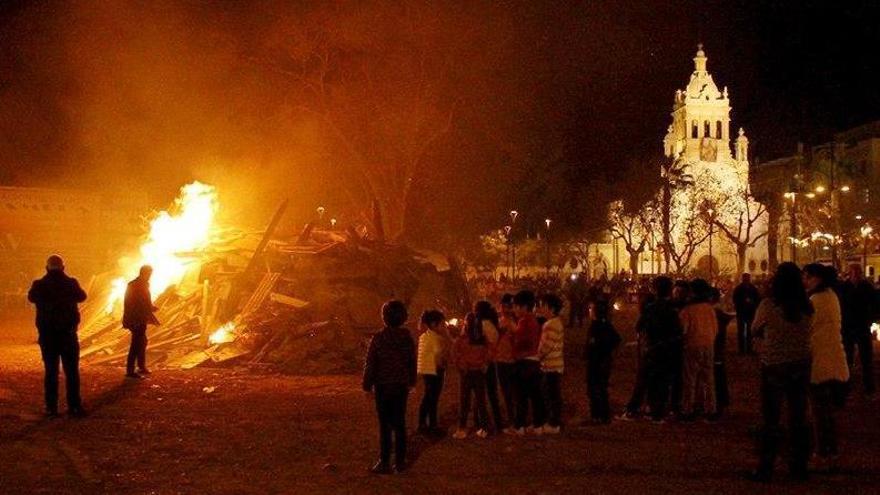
(774, 216)
(634, 261)
(741, 250)
(666, 221)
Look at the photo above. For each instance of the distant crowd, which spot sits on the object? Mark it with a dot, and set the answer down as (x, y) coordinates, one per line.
(806, 324)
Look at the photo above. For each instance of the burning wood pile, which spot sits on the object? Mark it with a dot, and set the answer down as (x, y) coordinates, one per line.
(304, 305)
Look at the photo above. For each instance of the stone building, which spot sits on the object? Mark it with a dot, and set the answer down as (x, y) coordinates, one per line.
(699, 146)
(827, 189)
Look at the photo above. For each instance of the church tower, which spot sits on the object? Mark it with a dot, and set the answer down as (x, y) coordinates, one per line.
(700, 130)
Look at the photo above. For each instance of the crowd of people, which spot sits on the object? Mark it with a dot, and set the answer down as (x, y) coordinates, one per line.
(805, 324)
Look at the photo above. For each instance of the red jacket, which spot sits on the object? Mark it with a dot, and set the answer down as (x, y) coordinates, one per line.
(469, 357)
(526, 338)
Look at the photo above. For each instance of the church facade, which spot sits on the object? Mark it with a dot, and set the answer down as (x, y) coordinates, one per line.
(715, 222)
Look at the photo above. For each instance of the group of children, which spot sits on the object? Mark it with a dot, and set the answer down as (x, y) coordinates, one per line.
(516, 349)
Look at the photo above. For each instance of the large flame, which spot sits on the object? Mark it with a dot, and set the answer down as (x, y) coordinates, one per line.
(172, 238)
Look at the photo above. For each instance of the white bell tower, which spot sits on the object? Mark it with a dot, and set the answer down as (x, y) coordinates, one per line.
(700, 129)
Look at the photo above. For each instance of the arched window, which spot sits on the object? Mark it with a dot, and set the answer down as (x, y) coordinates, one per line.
(718, 129)
(706, 131)
(694, 130)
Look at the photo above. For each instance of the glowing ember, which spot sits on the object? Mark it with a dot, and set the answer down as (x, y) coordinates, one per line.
(185, 229)
(224, 334)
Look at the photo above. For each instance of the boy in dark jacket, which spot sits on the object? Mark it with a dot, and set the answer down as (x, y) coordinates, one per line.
(602, 340)
(389, 372)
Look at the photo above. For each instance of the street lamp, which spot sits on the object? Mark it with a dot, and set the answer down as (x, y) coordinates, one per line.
(547, 222)
(866, 232)
(513, 215)
(507, 229)
(711, 213)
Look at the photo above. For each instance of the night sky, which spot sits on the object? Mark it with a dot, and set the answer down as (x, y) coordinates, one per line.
(558, 105)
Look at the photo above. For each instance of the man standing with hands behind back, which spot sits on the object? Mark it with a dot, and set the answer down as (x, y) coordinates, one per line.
(137, 314)
(56, 297)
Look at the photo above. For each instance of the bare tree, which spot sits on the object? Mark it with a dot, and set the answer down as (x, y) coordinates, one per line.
(743, 221)
(687, 231)
(379, 95)
(631, 227)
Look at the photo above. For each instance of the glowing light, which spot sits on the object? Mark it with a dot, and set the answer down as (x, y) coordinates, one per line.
(799, 242)
(789, 195)
(172, 239)
(513, 215)
(547, 221)
(844, 188)
(858, 217)
(224, 334)
(866, 230)
(616, 306)
(875, 329)
(333, 222)
(820, 189)
(452, 322)
(321, 211)
(810, 195)
(573, 277)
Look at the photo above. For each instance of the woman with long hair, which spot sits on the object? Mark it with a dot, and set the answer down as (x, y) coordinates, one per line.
(487, 320)
(783, 321)
(829, 372)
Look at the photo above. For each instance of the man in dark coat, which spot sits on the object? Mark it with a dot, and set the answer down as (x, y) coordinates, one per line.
(136, 315)
(858, 309)
(745, 301)
(56, 297)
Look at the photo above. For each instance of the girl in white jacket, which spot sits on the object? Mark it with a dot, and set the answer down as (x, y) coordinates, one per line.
(829, 372)
(431, 365)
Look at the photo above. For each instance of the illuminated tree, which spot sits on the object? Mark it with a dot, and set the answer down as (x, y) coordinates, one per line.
(633, 228)
(688, 230)
(674, 177)
(742, 221)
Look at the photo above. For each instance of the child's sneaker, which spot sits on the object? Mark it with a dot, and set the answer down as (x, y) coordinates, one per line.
(460, 434)
(482, 433)
(551, 430)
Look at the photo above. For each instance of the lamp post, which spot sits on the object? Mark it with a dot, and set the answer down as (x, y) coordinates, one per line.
(507, 229)
(653, 247)
(866, 232)
(711, 212)
(547, 222)
(513, 215)
(834, 189)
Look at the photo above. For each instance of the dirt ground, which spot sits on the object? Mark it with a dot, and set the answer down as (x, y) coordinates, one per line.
(232, 431)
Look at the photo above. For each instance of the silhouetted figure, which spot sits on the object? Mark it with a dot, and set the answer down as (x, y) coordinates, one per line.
(56, 297)
(602, 340)
(137, 314)
(745, 301)
(858, 304)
